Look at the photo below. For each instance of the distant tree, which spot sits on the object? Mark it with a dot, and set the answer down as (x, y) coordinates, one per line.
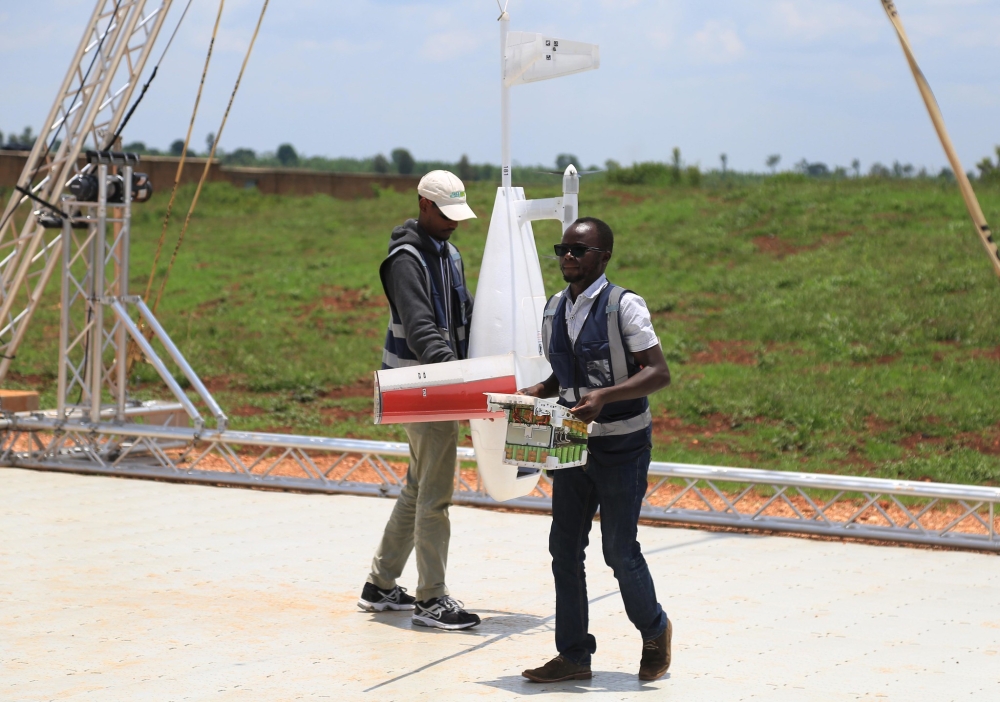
(380, 164)
(403, 160)
(563, 161)
(27, 137)
(694, 176)
(900, 170)
(287, 155)
(136, 147)
(465, 170)
(947, 174)
(209, 142)
(772, 161)
(725, 162)
(802, 167)
(24, 141)
(612, 165)
(818, 170)
(856, 167)
(988, 171)
(879, 171)
(240, 157)
(675, 165)
(1, 139)
(177, 148)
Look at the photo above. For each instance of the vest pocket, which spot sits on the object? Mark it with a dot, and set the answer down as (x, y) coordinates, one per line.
(599, 373)
(596, 363)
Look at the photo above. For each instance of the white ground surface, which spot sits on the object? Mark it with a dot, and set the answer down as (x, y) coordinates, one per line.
(129, 590)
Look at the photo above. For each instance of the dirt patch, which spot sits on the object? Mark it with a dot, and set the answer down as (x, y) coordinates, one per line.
(987, 442)
(876, 425)
(32, 380)
(990, 354)
(247, 411)
(912, 441)
(888, 358)
(627, 198)
(221, 383)
(339, 414)
(668, 425)
(340, 299)
(779, 248)
(362, 387)
(741, 353)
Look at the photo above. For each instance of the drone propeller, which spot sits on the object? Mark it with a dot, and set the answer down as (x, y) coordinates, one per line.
(579, 173)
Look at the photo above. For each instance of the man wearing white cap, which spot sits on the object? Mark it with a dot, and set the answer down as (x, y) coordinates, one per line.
(430, 310)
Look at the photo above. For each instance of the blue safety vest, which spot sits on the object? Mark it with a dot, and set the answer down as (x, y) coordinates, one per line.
(396, 353)
(599, 359)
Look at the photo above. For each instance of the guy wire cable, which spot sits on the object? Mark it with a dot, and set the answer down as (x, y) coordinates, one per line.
(83, 82)
(208, 161)
(142, 93)
(180, 164)
(964, 186)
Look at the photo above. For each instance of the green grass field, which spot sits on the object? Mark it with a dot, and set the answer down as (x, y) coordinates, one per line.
(845, 326)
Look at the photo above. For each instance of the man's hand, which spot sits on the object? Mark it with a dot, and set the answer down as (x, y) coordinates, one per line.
(547, 388)
(589, 407)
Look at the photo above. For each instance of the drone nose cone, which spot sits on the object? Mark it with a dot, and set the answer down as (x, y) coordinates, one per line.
(570, 171)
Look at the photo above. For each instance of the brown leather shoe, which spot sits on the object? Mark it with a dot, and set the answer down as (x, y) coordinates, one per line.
(656, 655)
(557, 670)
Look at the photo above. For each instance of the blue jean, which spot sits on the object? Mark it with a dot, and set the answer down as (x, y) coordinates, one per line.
(614, 479)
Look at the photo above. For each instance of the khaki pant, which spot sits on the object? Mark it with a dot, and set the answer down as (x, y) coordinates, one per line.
(419, 520)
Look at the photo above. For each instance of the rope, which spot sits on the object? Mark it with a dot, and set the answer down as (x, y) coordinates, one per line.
(964, 186)
(208, 162)
(180, 165)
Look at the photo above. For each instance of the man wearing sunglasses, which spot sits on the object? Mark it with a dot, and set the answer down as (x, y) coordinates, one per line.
(606, 360)
(430, 309)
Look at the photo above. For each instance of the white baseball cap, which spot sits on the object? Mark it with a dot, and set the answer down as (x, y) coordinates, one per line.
(444, 189)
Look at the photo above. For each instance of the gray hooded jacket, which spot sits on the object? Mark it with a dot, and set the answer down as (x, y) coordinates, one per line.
(404, 280)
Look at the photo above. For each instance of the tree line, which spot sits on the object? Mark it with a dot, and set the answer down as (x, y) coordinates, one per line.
(401, 162)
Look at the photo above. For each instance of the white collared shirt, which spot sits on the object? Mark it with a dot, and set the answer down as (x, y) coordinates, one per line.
(633, 316)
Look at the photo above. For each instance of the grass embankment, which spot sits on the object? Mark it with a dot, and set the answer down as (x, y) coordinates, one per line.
(836, 326)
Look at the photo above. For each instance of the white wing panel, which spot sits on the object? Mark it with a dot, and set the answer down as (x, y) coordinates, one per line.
(531, 57)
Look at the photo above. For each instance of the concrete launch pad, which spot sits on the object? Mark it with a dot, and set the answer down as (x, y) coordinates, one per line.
(124, 589)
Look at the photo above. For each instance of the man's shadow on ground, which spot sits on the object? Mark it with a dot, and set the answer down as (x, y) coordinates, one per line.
(603, 681)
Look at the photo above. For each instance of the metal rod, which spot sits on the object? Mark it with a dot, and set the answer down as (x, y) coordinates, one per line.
(505, 163)
(97, 293)
(158, 364)
(221, 419)
(121, 340)
(67, 234)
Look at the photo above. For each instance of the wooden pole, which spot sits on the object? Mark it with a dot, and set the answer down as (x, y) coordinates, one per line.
(964, 186)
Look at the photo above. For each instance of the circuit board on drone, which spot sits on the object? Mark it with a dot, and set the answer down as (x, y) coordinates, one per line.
(540, 433)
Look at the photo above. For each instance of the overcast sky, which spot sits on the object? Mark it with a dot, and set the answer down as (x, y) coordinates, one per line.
(818, 79)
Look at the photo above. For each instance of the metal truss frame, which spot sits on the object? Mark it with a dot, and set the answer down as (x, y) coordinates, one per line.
(95, 322)
(963, 516)
(89, 106)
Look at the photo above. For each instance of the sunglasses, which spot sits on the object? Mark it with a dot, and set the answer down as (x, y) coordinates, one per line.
(578, 251)
(443, 215)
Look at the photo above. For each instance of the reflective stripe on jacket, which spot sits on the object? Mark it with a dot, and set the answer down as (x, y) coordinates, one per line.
(451, 309)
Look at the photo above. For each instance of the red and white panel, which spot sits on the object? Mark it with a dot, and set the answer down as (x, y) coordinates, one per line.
(442, 391)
